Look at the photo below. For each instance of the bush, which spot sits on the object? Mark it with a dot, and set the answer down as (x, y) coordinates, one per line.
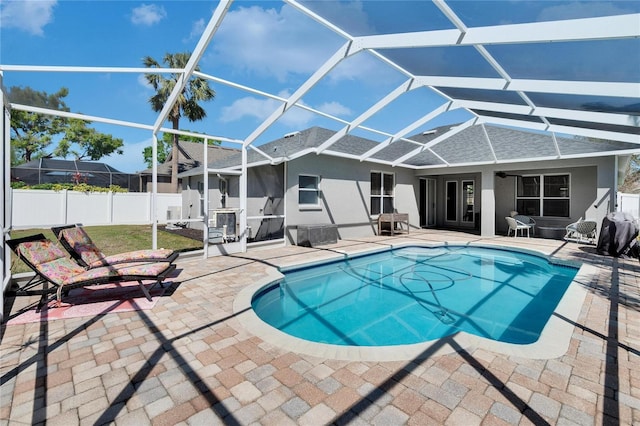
(81, 187)
(18, 185)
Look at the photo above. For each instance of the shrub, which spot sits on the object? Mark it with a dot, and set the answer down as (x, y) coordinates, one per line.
(81, 187)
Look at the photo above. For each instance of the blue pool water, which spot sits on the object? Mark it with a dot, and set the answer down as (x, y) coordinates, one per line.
(414, 294)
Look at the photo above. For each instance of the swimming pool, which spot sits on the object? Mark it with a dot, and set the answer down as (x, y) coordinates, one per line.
(416, 294)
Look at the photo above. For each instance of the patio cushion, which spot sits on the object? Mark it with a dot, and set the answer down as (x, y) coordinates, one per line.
(38, 252)
(82, 248)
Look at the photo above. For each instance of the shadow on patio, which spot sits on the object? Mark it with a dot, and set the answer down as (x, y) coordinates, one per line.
(190, 360)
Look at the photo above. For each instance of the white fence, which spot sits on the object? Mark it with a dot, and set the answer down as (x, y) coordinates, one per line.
(41, 208)
(629, 203)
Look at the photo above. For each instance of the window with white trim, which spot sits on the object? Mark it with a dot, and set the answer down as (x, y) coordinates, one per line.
(382, 188)
(308, 190)
(544, 195)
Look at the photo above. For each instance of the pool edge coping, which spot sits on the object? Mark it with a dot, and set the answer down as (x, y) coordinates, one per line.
(553, 342)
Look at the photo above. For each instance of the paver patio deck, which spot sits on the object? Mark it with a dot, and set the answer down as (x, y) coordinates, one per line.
(190, 360)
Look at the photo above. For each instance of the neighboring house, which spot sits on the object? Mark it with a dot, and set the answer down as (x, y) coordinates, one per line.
(51, 170)
(191, 155)
(351, 183)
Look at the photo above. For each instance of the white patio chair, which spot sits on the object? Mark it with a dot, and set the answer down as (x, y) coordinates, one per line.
(515, 226)
(582, 231)
(527, 220)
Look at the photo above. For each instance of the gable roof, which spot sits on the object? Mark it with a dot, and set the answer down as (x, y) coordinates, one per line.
(191, 155)
(437, 148)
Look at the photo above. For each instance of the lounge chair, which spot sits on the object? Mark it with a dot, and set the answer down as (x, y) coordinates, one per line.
(582, 231)
(515, 226)
(53, 267)
(77, 242)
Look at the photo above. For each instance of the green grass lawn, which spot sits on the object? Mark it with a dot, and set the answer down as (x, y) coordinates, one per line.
(115, 239)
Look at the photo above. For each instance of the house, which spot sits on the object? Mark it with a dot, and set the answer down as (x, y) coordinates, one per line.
(294, 181)
(51, 170)
(191, 155)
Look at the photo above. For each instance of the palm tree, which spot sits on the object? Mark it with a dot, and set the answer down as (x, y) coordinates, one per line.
(197, 89)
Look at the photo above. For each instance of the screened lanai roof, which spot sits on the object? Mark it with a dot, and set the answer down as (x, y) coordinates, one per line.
(393, 71)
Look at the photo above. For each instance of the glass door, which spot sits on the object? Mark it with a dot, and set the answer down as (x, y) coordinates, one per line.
(431, 202)
(451, 206)
(427, 202)
(468, 201)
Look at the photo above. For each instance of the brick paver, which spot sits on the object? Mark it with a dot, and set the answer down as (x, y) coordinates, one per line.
(190, 361)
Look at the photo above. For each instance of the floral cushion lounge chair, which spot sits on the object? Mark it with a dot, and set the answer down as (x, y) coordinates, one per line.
(57, 273)
(77, 242)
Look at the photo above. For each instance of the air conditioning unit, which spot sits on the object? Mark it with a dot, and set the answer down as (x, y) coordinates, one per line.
(224, 223)
(174, 216)
(174, 213)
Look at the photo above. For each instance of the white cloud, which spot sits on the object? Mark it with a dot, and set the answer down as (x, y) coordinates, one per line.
(142, 81)
(131, 160)
(284, 44)
(576, 10)
(196, 30)
(261, 109)
(29, 16)
(148, 14)
(335, 108)
(268, 42)
(248, 107)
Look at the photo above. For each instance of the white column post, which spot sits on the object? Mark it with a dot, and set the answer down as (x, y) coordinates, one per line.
(488, 204)
(243, 201)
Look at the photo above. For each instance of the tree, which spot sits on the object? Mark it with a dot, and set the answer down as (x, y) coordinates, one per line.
(32, 133)
(197, 89)
(164, 147)
(93, 144)
(631, 182)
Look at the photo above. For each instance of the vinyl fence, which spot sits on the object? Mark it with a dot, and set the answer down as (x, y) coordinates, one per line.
(629, 203)
(42, 208)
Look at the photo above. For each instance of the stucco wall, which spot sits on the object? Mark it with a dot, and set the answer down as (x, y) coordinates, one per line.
(345, 192)
(590, 187)
(345, 186)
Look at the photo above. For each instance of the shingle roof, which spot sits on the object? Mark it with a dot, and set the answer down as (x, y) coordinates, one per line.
(192, 156)
(481, 143)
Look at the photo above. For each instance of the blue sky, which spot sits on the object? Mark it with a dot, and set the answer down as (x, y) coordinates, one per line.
(266, 45)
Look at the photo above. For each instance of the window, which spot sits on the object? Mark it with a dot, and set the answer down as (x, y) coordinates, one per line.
(543, 195)
(382, 185)
(308, 190)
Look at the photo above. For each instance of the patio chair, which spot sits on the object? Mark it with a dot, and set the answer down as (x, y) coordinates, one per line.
(57, 273)
(582, 231)
(527, 220)
(77, 242)
(515, 226)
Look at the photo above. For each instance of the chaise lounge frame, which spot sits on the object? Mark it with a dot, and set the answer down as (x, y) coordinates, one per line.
(59, 274)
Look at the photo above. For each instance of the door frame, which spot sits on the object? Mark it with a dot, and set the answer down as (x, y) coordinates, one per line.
(428, 202)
